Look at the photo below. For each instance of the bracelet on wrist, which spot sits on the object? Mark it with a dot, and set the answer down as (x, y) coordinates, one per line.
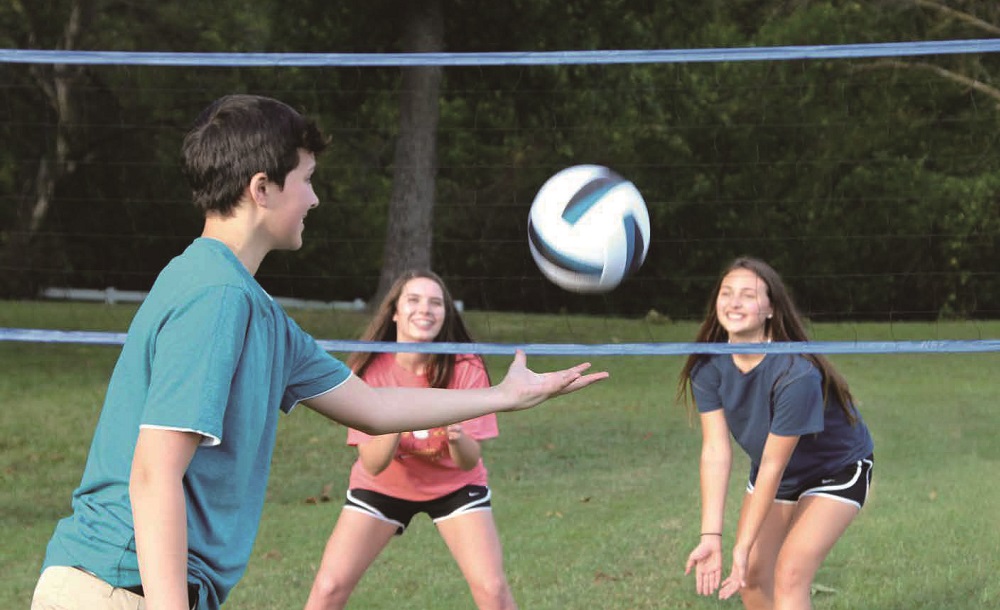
(712, 534)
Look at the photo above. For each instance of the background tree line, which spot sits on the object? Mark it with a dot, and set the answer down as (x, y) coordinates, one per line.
(871, 184)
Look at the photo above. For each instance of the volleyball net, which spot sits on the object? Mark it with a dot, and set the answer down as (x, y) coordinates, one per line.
(865, 173)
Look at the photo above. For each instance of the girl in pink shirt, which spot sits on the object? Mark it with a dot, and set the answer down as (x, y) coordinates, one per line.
(438, 471)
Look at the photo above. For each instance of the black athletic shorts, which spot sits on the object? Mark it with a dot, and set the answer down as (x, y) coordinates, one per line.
(849, 485)
(399, 512)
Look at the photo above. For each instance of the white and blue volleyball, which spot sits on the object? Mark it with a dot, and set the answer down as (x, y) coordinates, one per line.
(588, 229)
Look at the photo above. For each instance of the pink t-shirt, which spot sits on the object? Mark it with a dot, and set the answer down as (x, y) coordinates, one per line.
(422, 468)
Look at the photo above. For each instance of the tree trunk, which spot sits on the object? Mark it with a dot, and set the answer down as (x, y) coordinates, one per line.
(19, 251)
(409, 231)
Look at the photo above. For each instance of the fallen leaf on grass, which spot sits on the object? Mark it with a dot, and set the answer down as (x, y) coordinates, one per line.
(324, 495)
(601, 576)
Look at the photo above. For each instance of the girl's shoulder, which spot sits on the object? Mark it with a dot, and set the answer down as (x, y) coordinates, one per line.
(381, 362)
(470, 371)
(469, 360)
(788, 368)
(711, 367)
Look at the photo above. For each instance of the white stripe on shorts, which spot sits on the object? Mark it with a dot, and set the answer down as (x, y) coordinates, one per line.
(471, 507)
(367, 509)
(818, 491)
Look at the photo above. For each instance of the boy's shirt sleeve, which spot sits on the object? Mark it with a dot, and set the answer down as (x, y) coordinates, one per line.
(314, 371)
(192, 360)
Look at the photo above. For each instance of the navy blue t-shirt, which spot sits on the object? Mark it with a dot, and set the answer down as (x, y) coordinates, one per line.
(782, 395)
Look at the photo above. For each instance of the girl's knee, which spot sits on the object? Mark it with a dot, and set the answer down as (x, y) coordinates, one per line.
(329, 591)
(759, 577)
(493, 592)
(791, 578)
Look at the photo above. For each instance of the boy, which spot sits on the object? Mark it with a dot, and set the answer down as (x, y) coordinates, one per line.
(170, 500)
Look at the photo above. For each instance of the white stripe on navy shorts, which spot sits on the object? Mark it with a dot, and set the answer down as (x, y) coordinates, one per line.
(850, 485)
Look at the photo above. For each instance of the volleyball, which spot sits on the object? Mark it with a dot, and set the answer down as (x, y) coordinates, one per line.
(588, 229)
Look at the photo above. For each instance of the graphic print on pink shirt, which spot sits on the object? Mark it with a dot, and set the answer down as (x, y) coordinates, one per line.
(422, 468)
(426, 444)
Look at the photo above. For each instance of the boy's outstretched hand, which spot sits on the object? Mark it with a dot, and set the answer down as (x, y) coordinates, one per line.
(527, 388)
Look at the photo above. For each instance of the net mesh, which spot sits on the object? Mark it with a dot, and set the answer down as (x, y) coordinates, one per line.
(811, 174)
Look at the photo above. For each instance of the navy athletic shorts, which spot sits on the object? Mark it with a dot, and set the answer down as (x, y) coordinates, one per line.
(849, 485)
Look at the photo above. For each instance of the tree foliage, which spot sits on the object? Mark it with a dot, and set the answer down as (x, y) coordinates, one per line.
(871, 184)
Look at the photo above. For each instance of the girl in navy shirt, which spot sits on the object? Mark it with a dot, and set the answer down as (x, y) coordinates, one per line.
(793, 414)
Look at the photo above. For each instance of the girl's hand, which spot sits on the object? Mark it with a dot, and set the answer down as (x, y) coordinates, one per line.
(454, 432)
(737, 577)
(706, 559)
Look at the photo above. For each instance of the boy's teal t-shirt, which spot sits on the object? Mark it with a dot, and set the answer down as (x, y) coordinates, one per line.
(208, 351)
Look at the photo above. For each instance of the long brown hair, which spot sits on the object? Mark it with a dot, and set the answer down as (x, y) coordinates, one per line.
(785, 324)
(382, 328)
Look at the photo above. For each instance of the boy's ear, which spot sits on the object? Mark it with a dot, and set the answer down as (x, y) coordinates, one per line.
(257, 189)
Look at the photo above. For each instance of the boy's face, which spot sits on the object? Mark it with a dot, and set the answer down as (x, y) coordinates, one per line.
(288, 206)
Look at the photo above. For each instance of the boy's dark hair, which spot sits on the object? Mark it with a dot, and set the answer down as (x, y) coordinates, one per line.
(238, 136)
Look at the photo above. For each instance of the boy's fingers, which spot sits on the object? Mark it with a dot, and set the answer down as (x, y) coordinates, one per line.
(520, 359)
(583, 381)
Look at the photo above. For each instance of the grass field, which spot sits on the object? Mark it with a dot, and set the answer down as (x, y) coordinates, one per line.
(595, 494)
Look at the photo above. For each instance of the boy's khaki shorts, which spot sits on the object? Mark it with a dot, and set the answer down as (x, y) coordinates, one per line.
(64, 588)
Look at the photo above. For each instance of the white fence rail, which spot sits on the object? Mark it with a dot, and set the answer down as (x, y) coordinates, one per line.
(112, 296)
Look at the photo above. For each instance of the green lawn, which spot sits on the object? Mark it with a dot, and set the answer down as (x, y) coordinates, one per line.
(595, 494)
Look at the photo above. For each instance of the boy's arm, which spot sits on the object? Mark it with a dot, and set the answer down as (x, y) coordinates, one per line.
(383, 410)
(160, 516)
